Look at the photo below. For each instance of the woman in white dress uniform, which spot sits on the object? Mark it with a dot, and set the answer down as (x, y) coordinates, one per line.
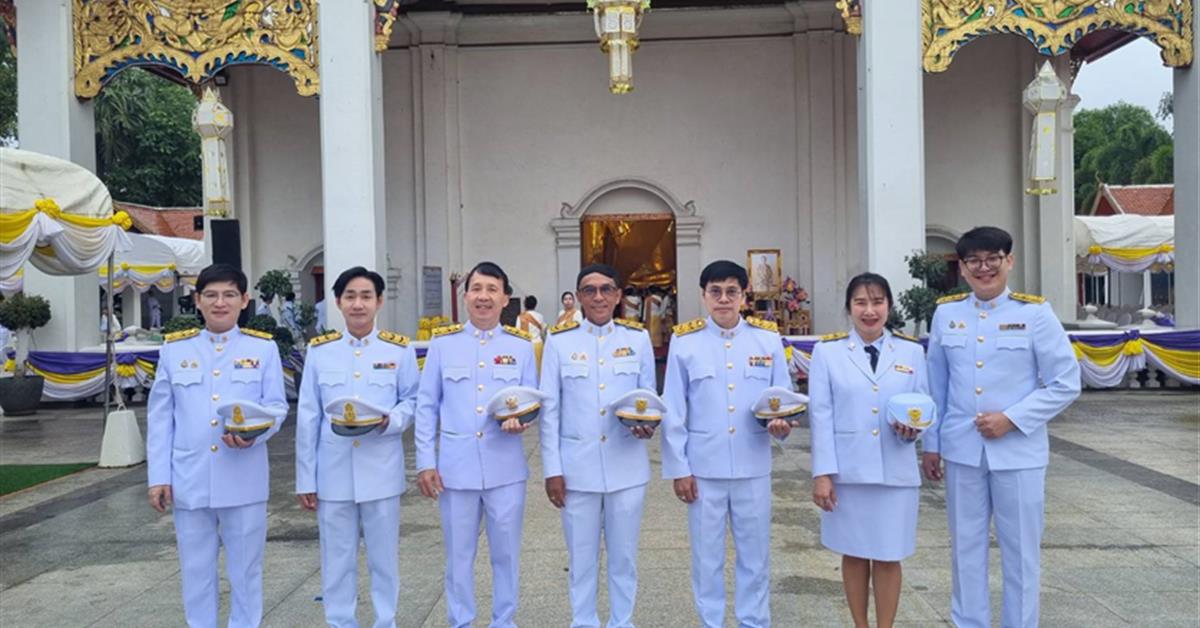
(865, 472)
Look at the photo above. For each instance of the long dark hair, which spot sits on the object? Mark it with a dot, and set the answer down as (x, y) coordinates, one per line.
(867, 280)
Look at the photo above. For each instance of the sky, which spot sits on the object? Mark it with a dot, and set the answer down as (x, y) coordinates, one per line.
(1134, 74)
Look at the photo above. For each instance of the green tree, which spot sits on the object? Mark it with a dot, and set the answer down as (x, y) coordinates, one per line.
(146, 149)
(918, 302)
(8, 92)
(1119, 144)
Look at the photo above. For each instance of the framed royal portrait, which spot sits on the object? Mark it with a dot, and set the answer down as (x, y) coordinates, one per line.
(766, 271)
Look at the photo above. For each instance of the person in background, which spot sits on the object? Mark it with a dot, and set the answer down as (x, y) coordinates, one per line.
(155, 312)
(865, 473)
(569, 312)
(534, 324)
(264, 306)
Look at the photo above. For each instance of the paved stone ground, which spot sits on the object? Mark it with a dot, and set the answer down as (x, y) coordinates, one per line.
(1122, 543)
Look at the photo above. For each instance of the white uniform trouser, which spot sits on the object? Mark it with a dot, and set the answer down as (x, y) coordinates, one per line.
(504, 508)
(1016, 498)
(243, 532)
(747, 504)
(619, 513)
(340, 523)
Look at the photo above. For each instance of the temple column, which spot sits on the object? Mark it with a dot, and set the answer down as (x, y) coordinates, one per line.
(53, 122)
(352, 179)
(1187, 186)
(891, 138)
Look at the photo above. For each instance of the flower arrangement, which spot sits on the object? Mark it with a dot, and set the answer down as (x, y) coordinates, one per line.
(792, 295)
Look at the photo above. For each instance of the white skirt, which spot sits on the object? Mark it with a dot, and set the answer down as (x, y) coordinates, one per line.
(872, 521)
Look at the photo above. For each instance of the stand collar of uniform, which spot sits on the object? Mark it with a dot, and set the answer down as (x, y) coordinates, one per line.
(471, 329)
(726, 333)
(355, 342)
(992, 304)
(856, 341)
(598, 330)
(222, 337)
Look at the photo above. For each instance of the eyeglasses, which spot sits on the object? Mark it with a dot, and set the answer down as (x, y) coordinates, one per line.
(591, 291)
(733, 294)
(991, 261)
(214, 296)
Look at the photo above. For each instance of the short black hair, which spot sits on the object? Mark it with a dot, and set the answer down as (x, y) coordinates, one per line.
(603, 269)
(351, 274)
(721, 270)
(221, 273)
(489, 269)
(530, 302)
(984, 239)
(566, 294)
(868, 280)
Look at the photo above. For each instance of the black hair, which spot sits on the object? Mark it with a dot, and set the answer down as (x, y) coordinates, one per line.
(603, 269)
(221, 273)
(530, 302)
(291, 296)
(868, 280)
(984, 240)
(489, 269)
(351, 274)
(721, 270)
(566, 294)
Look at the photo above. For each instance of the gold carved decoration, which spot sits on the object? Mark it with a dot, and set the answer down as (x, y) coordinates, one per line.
(386, 12)
(1053, 26)
(852, 15)
(196, 39)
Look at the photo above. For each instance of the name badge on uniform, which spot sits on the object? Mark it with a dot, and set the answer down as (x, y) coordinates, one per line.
(504, 360)
(623, 352)
(245, 363)
(904, 369)
(1012, 326)
(760, 361)
(384, 366)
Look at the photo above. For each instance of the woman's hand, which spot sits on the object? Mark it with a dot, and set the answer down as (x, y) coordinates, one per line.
(823, 493)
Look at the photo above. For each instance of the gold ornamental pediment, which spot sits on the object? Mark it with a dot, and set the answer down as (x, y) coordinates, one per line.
(195, 39)
(1054, 26)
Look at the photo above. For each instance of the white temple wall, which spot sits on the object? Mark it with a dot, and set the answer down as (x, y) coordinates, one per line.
(758, 131)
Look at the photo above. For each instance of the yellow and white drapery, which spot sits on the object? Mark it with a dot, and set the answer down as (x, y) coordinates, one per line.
(1106, 358)
(1125, 243)
(155, 262)
(141, 277)
(55, 214)
(12, 285)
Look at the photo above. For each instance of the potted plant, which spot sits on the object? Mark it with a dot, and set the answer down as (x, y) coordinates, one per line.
(22, 314)
(918, 302)
(274, 283)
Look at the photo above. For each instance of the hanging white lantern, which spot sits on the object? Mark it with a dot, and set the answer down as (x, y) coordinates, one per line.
(1042, 98)
(617, 23)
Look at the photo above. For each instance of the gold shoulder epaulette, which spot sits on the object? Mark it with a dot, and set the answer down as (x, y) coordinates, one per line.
(835, 336)
(571, 324)
(951, 298)
(257, 334)
(906, 337)
(763, 324)
(326, 338)
(1026, 298)
(518, 333)
(181, 335)
(394, 338)
(632, 324)
(446, 329)
(683, 329)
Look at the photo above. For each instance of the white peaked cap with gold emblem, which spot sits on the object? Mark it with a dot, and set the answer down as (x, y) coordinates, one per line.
(516, 402)
(778, 402)
(911, 409)
(640, 406)
(245, 418)
(353, 417)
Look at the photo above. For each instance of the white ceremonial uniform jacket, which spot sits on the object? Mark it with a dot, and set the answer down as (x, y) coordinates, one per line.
(852, 439)
(584, 368)
(1007, 355)
(381, 369)
(197, 372)
(714, 377)
(464, 368)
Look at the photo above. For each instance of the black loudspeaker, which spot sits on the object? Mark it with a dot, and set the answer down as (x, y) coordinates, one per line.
(226, 242)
